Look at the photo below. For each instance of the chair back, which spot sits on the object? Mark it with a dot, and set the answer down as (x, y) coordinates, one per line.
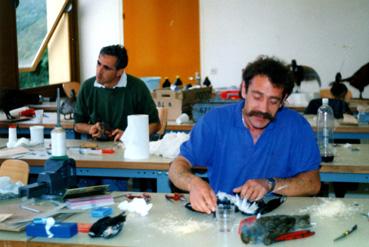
(16, 170)
(68, 86)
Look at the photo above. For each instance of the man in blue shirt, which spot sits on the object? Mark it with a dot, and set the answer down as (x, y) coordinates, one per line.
(252, 147)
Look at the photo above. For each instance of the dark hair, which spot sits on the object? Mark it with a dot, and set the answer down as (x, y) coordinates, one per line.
(117, 51)
(339, 90)
(277, 72)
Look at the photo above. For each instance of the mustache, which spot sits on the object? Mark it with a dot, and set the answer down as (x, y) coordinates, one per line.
(265, 115)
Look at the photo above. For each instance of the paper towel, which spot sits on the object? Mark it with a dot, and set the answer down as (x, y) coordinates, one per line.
(58, 142)
(12, 136)
(136, 137)
(37, 134)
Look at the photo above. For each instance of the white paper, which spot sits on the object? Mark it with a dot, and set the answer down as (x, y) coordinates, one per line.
(136, 137)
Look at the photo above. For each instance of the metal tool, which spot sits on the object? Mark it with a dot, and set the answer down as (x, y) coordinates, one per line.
(145, 196)
(366, 215)
(346, 233)
(175, 197)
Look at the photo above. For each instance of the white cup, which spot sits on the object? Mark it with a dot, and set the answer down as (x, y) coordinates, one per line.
(39, 114)
(37, 134)
(225, 217)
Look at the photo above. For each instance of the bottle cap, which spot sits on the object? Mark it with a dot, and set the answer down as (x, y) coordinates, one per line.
(325, 101)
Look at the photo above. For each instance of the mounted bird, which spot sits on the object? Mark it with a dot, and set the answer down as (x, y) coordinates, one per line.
(302, 73)
(360, 79)
(67, 107)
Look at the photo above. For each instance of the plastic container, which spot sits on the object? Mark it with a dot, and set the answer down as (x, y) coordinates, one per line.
(201, 108)
(325, 126)
(152, 82)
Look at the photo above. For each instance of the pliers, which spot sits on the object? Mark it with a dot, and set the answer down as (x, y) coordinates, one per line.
(145, 196)
(175, 197)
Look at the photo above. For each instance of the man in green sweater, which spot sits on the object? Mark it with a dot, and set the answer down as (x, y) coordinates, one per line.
(105, 101)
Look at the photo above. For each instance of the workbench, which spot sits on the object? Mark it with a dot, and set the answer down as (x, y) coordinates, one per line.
(171, 224)
(341, 131)
(349, 165)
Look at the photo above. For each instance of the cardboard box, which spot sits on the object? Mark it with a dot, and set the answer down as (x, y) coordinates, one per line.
(179, 102)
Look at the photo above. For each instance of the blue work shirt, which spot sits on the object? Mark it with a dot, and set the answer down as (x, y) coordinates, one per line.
(221, 142)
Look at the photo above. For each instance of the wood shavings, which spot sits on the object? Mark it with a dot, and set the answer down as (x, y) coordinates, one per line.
(173, 225)
(331, 208)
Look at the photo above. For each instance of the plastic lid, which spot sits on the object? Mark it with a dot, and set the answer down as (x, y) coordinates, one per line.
(325, 101)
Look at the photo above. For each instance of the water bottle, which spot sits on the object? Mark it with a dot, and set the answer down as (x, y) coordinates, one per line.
(325, 126)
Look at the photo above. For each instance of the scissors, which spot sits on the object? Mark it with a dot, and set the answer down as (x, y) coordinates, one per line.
(175, 197)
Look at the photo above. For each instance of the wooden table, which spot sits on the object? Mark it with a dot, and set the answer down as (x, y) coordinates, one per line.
(341, 131)
(348, 165)
(104, 165)
(171, 224)
(48, 121)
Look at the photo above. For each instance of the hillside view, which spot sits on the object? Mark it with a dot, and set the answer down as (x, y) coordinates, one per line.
(31, 29)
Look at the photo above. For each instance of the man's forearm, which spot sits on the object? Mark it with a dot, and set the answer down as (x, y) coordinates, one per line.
(154, 127)
(180, 173)
(82, 128)
(304, 184)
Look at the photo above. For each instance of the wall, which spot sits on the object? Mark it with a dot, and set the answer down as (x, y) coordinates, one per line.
(100, 24)
(328, 35)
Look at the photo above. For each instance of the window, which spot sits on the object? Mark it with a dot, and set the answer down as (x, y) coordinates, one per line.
(43, 36)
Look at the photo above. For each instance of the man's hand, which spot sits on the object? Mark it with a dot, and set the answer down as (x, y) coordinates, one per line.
(117, 134)
(202, 197)
(96, 130)
(253, 189)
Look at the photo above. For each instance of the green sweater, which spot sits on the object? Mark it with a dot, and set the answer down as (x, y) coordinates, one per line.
(113, 105)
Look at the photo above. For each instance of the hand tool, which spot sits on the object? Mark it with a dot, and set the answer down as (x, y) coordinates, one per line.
(346, 233)
(145, 196)
(175, 197)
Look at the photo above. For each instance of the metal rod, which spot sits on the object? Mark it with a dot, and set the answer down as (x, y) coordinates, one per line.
(58, 124)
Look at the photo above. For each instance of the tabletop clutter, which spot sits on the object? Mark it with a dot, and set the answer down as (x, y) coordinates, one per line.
(254, 228)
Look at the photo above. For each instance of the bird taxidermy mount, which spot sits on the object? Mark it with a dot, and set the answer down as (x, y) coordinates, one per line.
(67, 107)
(360, 79)
(302, 73)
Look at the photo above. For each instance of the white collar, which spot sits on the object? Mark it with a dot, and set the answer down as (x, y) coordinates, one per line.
(121, 83)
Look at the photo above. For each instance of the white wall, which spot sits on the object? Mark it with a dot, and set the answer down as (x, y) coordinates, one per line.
(100, 23)
(328, 35)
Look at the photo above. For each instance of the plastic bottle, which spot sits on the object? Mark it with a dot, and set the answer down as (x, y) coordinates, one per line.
(325, 126)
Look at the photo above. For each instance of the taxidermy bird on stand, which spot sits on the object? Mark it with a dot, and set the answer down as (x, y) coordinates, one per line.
(302, 73)
(360, 79)
(67, 108)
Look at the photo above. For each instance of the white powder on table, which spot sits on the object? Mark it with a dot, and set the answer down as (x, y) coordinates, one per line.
(174, 225)
(331, 208)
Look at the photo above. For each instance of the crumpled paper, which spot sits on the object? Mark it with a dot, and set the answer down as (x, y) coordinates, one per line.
(7, 186)
(168, 147)
(137, 205)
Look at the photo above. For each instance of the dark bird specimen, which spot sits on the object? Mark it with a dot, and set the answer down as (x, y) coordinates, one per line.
(360, 79)
(12, 99)
(302, 73)
(67, 107)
